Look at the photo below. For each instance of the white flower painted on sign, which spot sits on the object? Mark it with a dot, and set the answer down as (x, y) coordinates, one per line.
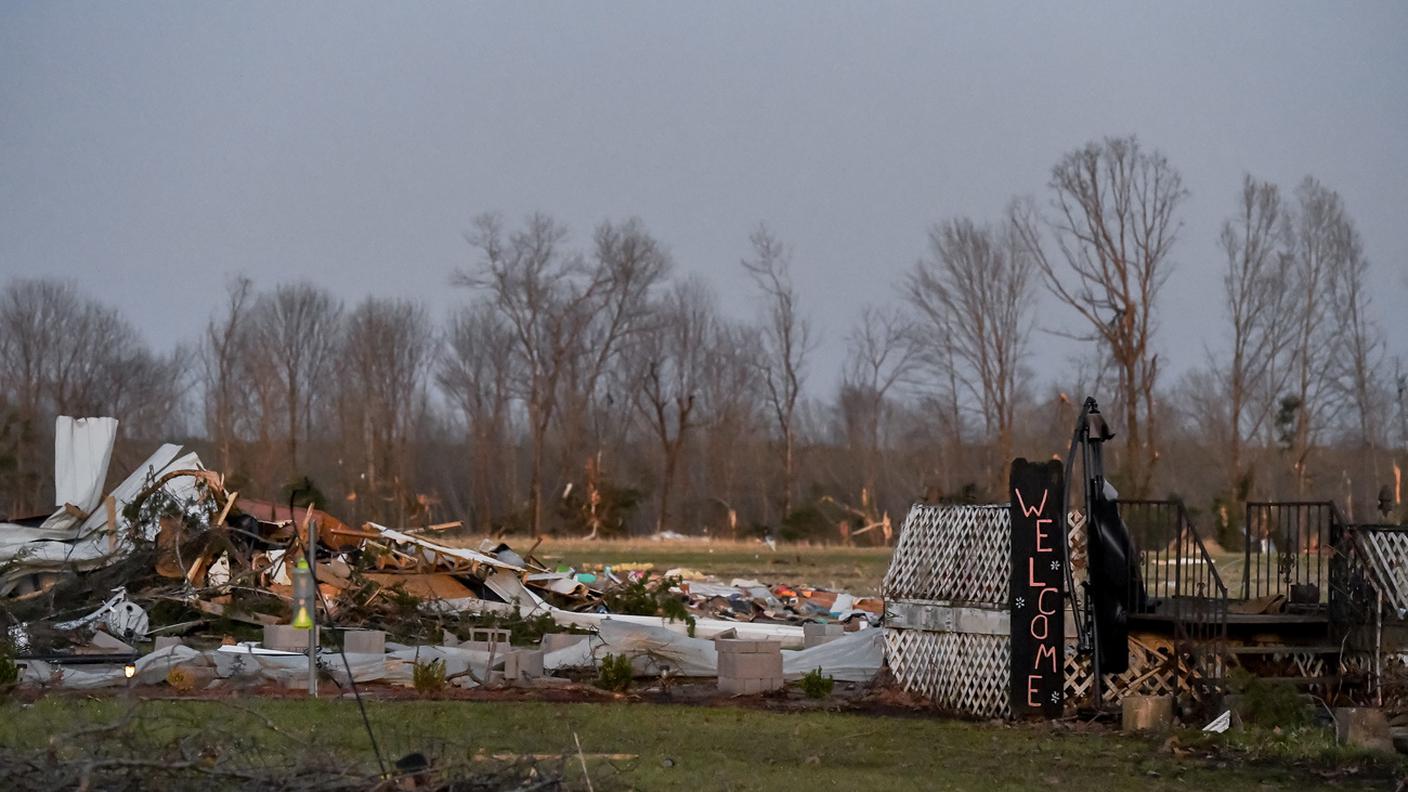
(1021, 603)
(1055, 565)
(1055, 697)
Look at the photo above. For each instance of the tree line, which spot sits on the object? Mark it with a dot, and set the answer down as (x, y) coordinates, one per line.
(590, 388)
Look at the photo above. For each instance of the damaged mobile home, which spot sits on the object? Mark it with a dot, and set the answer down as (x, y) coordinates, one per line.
(156, 580)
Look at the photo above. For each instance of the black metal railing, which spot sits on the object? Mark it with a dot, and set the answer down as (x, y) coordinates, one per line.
(1180, 579)
(1354, 586)
(1290, 543)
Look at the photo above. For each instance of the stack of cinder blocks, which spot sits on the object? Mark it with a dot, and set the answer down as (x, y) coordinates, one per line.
(747, 667)
(814, 634)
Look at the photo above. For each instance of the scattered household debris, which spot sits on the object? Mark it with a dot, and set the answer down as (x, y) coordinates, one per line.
(171, 555)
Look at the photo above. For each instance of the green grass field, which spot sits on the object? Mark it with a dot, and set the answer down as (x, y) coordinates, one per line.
(671, 747)
(858, 570)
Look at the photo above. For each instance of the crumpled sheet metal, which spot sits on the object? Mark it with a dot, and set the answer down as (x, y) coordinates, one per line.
(82, 451)
(152, 669)
(87, 546)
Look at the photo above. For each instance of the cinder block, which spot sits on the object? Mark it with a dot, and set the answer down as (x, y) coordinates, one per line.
(750, 666)
(741, 646)
(364, 642)
(748, 687)
(554, 641)
(490, 635)
(522, 663)
(285, 637)
(816, 634)
(1363, 727)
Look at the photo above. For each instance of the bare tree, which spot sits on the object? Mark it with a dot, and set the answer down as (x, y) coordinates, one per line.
(730, 412)
(1255, 291)
(297, 332)
(627, 263)
(67, 354)
(973, 297)
(880, 352)
(390, 347)
(787, 342)
(672, 366)
(223, 353)
(548, 297)
(1115, 220)
(477, 374)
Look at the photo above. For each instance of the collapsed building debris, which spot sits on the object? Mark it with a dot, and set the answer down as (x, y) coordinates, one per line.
(171, 556)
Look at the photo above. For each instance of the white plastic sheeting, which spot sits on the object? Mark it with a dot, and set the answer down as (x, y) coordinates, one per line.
(152, 669)
(855, 657)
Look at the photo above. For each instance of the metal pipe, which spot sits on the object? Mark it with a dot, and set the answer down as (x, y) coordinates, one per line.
(313, 631)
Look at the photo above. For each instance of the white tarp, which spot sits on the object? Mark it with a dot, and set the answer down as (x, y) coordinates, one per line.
(151, 669)
(82, 450)
(855, 657)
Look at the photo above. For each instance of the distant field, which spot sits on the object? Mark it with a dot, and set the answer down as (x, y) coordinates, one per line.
(858, 570)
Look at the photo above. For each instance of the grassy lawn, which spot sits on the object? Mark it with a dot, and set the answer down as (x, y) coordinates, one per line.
(670, 747)
(858, 570)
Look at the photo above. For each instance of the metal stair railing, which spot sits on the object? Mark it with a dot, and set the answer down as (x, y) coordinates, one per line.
(1181, 580)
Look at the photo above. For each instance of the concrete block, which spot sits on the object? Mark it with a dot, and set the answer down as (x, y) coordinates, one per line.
(364, 642)
(522, 663)
(750, 666)
(163, 641)
(489, 635)
(554, 641)
(1363, 727)
(816, 634)
(285, 637)
(1147, 713)
(748, 687)
(740, 646)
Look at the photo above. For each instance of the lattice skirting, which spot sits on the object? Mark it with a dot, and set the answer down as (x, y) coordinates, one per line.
(1153, 671)
(959, 672)
(970, 674)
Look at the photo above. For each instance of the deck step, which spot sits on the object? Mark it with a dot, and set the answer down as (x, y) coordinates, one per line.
(1272, 649)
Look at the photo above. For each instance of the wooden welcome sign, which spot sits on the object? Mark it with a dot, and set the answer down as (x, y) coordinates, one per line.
(1038, 588)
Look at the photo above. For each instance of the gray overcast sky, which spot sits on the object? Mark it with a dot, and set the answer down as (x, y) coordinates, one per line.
(150, 150)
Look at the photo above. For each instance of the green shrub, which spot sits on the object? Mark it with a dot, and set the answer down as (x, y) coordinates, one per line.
(1270, 704)
(428, 677)
(615, 673)
(9, 671)
(816, 685)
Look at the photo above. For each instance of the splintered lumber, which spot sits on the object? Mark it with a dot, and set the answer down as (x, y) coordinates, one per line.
(234, 614)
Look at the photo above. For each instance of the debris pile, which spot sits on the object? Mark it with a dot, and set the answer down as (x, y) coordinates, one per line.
(172, 560)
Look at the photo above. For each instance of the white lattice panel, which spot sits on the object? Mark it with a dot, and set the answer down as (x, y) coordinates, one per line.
(960, 672)
(952, 553)
(1387, 554)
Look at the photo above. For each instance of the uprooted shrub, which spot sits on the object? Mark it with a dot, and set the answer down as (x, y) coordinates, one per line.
(615, 673)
